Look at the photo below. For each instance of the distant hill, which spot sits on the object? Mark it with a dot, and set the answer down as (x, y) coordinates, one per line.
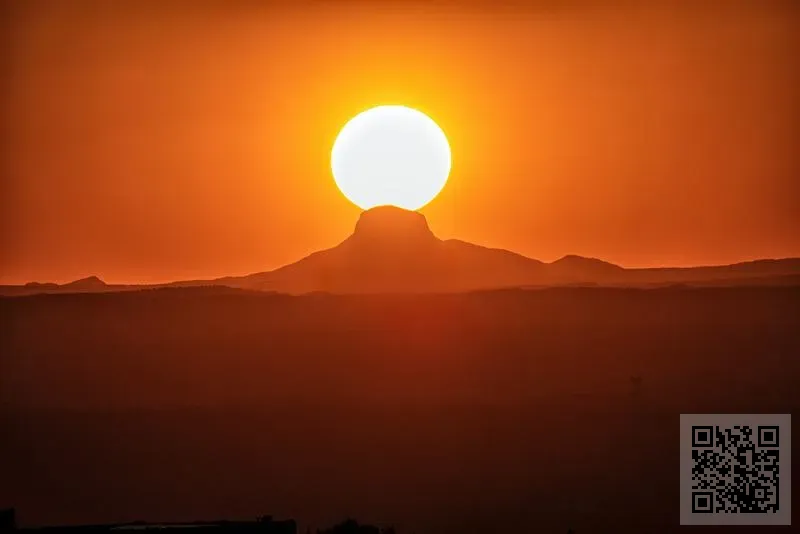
(91, 283)
(393, 250)
(39, 285)
(589, 269)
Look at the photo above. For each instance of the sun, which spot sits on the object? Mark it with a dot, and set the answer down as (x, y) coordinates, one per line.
(391, 156)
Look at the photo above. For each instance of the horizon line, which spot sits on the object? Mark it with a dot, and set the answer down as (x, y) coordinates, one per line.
(210, 277)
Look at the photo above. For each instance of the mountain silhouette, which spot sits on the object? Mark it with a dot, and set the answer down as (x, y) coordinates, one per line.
(392, 250)
(39, 285)
(589, 268)
(91, 283)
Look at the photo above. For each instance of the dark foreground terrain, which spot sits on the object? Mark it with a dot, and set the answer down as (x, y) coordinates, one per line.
(506, 411)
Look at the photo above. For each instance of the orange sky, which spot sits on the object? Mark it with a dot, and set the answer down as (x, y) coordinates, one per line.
(153, 141)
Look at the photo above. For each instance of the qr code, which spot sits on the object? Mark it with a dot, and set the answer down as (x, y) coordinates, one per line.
(735, 469)
(730, 474)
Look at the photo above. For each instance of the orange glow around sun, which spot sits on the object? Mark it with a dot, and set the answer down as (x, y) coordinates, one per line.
(617, 133)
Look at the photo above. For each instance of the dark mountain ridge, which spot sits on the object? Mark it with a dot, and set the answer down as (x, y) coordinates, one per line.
(393, 250)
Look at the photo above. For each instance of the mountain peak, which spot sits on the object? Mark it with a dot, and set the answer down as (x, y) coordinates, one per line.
(583, 261)
(90, 282)
(390, 224)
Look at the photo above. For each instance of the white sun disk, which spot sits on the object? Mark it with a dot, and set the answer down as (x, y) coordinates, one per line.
(391, 155)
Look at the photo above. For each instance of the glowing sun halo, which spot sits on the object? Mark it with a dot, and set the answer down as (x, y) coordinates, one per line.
(391, 155)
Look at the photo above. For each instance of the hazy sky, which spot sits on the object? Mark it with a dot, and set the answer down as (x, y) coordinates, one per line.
(150, 141)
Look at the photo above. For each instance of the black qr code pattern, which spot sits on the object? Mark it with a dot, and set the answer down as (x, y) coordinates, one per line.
(735, 470)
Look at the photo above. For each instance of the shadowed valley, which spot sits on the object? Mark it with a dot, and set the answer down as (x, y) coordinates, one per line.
(472, 412)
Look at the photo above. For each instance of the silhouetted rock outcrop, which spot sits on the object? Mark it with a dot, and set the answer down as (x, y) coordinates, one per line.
(393, 250)
(388, 225)
(85, 284)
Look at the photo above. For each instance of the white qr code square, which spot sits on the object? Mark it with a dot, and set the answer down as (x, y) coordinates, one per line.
(735, 469)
